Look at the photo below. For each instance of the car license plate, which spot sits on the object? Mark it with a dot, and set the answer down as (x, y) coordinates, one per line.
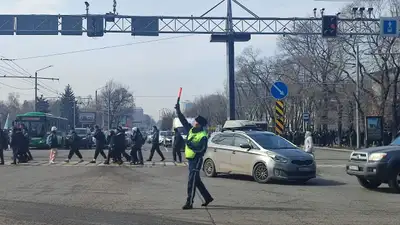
(353, 168)
(305, 169)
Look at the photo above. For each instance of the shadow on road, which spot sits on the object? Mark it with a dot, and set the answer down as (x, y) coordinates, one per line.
(313, 182)
(385, 190)
(244, 208)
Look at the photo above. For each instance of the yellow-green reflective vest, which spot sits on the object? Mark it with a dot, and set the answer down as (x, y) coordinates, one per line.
(194, 138)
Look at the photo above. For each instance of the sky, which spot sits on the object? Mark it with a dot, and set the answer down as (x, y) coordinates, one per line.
(151, 70)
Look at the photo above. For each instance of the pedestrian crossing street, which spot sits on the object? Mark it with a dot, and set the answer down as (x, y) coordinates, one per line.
(146, 164)
(97, 164)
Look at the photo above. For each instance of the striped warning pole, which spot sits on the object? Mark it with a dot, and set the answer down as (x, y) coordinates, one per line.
(279, 117)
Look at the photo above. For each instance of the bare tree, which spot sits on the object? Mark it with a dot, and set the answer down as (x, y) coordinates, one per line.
(116, 100)
(166, 119)
(212, 107)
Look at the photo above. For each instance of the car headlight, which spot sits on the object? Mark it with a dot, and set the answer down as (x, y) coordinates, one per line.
(278, 158)
(376, 156)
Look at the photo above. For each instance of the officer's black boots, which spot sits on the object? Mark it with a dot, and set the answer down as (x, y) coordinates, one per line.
(187, 206)
(207, 202)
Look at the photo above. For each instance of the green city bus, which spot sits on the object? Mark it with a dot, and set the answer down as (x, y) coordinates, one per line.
(39, 125)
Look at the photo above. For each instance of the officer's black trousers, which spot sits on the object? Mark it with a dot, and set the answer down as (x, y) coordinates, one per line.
(99, 150)
(155, 148)
(176, 151)
(75, 151)
(195, 181)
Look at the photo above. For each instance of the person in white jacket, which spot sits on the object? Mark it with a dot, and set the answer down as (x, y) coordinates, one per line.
(308, 143)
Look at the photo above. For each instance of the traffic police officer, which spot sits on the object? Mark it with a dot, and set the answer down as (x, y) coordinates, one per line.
(196, 146)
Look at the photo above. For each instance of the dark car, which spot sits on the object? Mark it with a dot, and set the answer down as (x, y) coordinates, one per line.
(377, 165)
(86, 138)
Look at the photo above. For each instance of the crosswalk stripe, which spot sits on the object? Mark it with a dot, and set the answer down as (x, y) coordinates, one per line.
(98, 164)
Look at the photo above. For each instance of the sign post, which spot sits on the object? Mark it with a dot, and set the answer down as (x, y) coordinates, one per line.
(279, 91)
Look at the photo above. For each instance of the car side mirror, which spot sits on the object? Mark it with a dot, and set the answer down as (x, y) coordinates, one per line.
(247, 146)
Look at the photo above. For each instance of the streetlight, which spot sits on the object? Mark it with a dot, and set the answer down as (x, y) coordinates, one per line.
(36, 80)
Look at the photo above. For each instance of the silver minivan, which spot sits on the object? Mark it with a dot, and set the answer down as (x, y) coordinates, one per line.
(260, 154)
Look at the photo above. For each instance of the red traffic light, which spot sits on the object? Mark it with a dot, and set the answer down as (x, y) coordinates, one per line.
(333, 26)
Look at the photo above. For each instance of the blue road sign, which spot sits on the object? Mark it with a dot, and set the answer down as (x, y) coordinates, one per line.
(279, 90)
(306, 116)
(389, 27)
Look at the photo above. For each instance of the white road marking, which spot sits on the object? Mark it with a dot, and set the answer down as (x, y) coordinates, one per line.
(166, 149)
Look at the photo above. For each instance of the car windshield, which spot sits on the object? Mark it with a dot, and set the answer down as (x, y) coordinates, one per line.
(271, 141)
(81, 132)
(396, 141)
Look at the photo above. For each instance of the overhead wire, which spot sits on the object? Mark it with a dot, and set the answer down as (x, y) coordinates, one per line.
(11, 70)
(100, 48)
(15, 87)
(46, 87)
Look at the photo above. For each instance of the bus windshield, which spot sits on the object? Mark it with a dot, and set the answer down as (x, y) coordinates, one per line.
(35, 129)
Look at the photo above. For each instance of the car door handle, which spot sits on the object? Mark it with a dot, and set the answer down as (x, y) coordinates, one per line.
(233, 152)
(215, 150)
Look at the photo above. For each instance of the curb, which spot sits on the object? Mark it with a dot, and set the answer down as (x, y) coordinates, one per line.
(334, 149)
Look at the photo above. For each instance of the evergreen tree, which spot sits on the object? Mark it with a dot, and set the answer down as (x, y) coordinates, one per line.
(67, 104)
(42, 105)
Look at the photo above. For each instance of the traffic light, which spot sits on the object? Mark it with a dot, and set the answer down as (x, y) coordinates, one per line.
(329, 26)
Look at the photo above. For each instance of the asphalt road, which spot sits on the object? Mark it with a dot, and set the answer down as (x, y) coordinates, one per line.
(89, 195)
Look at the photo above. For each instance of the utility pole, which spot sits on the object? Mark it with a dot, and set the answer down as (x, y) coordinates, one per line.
(36, 84)
(34, 77)
(109, 112)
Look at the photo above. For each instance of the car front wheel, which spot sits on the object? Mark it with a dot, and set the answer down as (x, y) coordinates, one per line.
(368, 184)
(209, 168)
(394, 182)
(260, 173)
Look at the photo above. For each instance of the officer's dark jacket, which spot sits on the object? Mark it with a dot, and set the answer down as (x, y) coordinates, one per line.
(75, 141)
(155, 139)
(178, 141)
(119, 141)
(137, 140)
(199, 148)
(100, 137)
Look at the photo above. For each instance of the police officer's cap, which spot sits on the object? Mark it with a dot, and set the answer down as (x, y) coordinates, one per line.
(201, 120)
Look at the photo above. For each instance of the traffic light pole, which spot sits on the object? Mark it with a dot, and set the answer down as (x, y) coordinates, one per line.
(237, 29)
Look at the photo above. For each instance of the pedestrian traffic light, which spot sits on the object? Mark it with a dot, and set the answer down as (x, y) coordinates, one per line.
(329, 26)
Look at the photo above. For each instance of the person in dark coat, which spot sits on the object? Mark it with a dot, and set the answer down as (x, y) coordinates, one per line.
(177, 146)
(27, 153)
(155, 144)
(100, 143)
(17, 142)
(120, 145)
(75, 143)
(111, 147)
(3, 145)
(137, 143)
